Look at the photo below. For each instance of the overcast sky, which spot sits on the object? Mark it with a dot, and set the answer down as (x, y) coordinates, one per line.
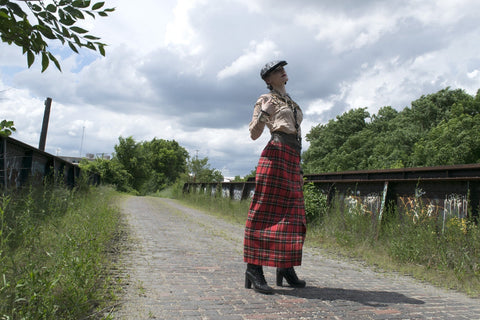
(189, 70)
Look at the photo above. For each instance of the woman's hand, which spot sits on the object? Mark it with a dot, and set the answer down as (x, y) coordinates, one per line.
(267, 105)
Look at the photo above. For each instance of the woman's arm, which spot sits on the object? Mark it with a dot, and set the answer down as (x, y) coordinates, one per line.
(259, 118)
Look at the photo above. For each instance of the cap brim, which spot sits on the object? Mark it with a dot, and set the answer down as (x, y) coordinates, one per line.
(279, 64)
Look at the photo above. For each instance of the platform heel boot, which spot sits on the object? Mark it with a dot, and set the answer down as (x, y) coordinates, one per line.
(291, 277)
(254, 275)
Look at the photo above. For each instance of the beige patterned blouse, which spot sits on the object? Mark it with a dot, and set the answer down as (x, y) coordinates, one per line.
(282, 119)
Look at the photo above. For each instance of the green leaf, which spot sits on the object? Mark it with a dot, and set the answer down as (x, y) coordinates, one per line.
(81, 4)
(78, 30)
(90, 14)
(61, 14)
(36, 8)
(16, 9)
(67, 20)
(45, 61)
(78, 14)
(30, 58)
(101, 48)
(55, 61)
(89, 37)
(72, 46)
(52, 8)
(65, 33)
(76, 39)
(47, 32)
(98, 5)
(59, 37)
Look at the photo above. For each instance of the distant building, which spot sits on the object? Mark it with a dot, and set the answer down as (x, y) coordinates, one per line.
(88, 156)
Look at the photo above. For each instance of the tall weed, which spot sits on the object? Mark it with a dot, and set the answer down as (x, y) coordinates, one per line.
(53, 244)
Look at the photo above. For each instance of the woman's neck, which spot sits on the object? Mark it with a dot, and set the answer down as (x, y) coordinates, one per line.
(280, 89)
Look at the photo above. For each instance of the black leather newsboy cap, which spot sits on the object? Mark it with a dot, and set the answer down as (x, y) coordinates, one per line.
(269, 67)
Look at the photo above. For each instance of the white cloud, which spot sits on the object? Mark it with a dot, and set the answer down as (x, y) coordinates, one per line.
(257, 54)
(343, 32)
(180, 35)
(189, 70)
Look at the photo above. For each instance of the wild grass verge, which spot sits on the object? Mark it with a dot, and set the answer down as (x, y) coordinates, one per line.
(447, 256)
(54, 253)
(233, 211)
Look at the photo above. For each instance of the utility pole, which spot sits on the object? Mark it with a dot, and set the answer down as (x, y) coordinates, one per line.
(81, 144)
(46, 117)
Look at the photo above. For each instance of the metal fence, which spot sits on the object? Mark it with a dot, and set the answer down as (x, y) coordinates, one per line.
(446, 191)
(21, 163)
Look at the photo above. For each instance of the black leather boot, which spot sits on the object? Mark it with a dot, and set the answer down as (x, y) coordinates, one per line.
(254, 275)
(291, 277)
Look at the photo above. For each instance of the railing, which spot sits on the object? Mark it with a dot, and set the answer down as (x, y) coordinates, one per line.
(446, 190)
(21, 163)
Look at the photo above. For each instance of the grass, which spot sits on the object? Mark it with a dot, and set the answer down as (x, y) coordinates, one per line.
(55, 253)
(446, 257)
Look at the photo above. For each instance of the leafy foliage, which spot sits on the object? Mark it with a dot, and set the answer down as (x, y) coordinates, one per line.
(438, 129)
(141, 167)
(315, 203)
(200, 171)
(6, 128)
(54, 21)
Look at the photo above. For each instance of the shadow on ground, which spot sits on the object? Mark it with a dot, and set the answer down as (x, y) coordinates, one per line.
(368, 298)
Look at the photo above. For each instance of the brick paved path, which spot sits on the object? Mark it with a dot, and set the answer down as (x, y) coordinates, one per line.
(188, 265)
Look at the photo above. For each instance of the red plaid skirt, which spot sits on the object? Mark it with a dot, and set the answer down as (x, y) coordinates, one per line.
(276, 225)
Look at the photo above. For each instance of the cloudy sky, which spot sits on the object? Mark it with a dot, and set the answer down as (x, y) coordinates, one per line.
(188, 70)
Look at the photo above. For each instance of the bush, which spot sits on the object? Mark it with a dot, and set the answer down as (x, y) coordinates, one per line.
(315, 203)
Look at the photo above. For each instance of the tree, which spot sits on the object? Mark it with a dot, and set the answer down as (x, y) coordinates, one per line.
(431, 109)
(200, 171)
(327, 139)
(152, 165)
(54, 21)
(439, 129)
(133, 159)
(167, 161)
(110, 171)
(455, 141)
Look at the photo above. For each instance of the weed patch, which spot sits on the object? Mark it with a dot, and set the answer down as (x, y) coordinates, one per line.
(53, 252)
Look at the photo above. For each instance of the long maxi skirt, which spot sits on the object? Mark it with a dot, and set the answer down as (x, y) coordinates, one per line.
(276, 225)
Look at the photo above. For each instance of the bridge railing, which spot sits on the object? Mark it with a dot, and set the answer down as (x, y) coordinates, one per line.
(445, 190)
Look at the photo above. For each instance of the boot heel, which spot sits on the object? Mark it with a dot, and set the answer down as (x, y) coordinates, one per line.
(291, 277)
(279, 279)
(248, 283)
(254, 277)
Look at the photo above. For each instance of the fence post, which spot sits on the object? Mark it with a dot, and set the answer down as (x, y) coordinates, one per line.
(383, 205)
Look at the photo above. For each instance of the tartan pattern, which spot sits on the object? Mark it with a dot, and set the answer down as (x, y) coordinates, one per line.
(276, 225)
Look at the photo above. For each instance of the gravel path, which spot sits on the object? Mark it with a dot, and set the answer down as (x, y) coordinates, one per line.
(184, 264)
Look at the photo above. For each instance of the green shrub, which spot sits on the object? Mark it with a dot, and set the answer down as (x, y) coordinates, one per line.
(315, 203)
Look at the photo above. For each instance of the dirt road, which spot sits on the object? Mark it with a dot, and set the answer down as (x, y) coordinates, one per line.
(184, 264)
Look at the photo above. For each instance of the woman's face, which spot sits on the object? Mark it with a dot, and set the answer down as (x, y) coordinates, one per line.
(277, 77)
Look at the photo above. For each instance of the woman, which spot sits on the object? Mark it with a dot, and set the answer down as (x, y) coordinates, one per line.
(276, 225)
